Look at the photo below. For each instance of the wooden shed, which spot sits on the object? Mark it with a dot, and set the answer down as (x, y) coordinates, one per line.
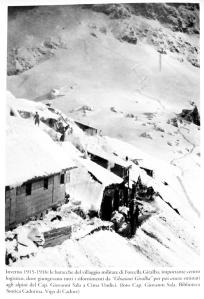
(36, 172)
(111, 162)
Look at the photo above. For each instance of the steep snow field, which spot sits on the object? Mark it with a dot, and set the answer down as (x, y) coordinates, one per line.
(167, 235)
(102, 249)
(100, 71)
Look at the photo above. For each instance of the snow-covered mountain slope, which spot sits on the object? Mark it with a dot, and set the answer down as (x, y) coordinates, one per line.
(168, 228)
(137, 71)
(91, 66)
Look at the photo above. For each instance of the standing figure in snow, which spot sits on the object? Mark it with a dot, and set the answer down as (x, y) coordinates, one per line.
(62, 131)
(134, 214)
(138, 184)
(37, 118)
(133, 191)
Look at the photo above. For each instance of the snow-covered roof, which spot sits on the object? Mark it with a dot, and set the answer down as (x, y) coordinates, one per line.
(85, 125)
(146, 165)
(103, 175)
(71, 150)
(29, 106)
(31, 153)
(109, 157)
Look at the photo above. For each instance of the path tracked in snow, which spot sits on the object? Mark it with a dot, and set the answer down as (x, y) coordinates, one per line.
(144, 77)
(193, 145)
(138, 90)
(140, 81)
(135, 67)
(190, 151)
(179, 179)
(188, 198)
(185, 192)
(172, 162)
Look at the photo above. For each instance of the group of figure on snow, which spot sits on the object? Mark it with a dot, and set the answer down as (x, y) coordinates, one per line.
(130, 200)
(60, 128)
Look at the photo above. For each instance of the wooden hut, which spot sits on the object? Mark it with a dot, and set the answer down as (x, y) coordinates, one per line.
(36, 172)
(111, 162)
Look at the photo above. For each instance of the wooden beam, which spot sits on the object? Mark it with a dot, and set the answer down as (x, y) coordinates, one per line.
(57, 236)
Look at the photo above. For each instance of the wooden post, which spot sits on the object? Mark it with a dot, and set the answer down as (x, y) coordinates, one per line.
(128, 179)
(160, 61)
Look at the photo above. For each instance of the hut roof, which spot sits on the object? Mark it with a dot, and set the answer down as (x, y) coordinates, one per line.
(31, 153)
(85, 125)
(29, 106)
(103, 175)
(146, 164)
(109, 157)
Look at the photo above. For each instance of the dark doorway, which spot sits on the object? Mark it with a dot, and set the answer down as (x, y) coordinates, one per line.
(62, 179)
(106, 208)
(28, 189)
(46, 183)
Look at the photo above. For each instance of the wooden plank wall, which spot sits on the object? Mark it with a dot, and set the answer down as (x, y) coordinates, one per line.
(57, 236)
(59, 190)
(7, 209)
(12, 206)
(39, 200)
(19, 206)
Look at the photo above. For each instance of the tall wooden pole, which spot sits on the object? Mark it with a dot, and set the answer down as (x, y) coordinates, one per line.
(160, 61)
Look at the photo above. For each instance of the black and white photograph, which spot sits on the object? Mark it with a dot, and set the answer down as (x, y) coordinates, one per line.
(102, 158)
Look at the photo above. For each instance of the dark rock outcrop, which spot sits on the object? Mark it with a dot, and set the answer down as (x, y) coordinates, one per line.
(24, 58)
(181, 16)
(130, 38)
(115, 11)
(191, 115)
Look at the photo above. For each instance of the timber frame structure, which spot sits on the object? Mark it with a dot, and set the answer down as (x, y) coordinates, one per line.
(33, 198)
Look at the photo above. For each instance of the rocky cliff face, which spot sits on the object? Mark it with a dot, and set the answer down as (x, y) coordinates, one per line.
(180, 17)
(126, 27)
(24, 58)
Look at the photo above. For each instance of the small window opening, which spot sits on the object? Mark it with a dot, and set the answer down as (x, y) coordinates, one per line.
(46, 183)
(28, 189)
(62, 179)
